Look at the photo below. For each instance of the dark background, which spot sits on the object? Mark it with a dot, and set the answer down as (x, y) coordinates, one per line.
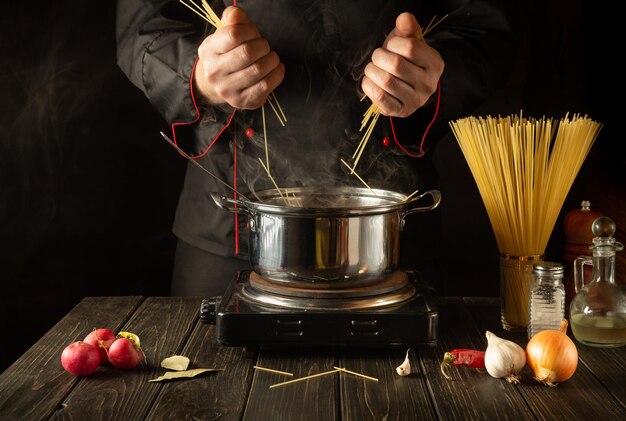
(88, 188)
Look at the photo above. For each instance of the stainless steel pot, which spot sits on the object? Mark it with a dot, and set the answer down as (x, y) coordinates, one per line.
(326, 238)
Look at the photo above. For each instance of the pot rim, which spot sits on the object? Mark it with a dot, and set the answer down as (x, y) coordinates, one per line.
(390, 201)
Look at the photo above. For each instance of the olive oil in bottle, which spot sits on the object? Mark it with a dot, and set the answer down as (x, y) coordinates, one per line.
(599, 330)
(598, 311)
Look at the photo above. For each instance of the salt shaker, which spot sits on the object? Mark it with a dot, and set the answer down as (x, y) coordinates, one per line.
(547, 297)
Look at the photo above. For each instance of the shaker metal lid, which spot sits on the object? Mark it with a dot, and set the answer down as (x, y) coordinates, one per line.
(551, 267)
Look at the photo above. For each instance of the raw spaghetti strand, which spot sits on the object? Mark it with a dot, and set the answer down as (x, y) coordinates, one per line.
(269, 175)
(267, 155)
(282, 114)
(358, 177)
(524, 169)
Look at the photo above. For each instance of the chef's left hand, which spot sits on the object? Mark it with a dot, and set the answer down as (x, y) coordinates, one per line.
(404, 72)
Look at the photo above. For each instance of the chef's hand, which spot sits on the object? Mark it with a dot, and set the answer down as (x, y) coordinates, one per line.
(404, 72)
(236, 65)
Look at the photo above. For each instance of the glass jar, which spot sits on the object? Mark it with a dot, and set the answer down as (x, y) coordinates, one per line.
(547, 298)
(598, 310)
(516, 277)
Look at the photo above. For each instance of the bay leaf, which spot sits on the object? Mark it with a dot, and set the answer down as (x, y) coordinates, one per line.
(171, 375)
(175, 362)
(132, 337)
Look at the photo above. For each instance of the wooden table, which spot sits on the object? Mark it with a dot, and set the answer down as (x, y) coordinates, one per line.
(37, 387)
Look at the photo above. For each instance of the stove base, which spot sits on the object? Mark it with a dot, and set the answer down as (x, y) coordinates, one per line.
(242, 322)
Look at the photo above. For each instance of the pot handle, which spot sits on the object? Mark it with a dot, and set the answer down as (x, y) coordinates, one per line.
(435, 194)
(231, 205)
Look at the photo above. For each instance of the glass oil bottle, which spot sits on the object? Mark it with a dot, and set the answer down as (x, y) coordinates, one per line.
(598, 311)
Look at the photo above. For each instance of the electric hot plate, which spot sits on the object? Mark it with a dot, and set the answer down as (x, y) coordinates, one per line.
(398, 311)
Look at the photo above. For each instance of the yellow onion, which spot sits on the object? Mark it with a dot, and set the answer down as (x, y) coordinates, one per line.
(552, 355)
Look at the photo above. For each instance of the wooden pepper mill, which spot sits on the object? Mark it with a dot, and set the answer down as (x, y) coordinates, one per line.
(579, 237)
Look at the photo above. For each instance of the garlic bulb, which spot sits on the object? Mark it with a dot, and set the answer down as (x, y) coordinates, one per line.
(404, 369)
(503, 358)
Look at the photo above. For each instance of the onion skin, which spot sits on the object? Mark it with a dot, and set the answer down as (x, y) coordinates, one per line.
(552, 356)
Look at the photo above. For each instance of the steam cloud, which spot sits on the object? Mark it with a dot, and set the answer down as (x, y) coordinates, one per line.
(323, 118)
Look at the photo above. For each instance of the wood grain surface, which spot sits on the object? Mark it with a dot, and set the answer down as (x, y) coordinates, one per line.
(37, 388)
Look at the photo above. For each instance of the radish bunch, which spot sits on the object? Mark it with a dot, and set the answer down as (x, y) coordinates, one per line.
(99, 347)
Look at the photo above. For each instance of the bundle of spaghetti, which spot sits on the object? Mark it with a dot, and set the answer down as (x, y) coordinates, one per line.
(371, 115)
(524, 169)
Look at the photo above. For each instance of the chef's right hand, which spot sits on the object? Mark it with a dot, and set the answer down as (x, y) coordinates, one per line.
(236, 65)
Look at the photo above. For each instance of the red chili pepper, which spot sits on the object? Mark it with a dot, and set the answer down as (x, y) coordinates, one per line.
(465, 357)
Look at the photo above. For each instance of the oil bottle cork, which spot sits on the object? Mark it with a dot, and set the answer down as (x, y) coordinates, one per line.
(578, 237)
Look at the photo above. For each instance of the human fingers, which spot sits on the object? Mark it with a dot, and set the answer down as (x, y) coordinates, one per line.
(404, 72)
(228, 37)
(254, 96)
(406, 27)
(389, 90)
(233, 15)
(237, 64)
(240, 57)
(386, 102)
(426, 73)
(230, 49)
(245, 89)
(398, 86)
(415, 50)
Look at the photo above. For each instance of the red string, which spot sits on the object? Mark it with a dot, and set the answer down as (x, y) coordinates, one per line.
(219, 134)
(235, 193)
(422, 151)
(195, 106)
(235, 182)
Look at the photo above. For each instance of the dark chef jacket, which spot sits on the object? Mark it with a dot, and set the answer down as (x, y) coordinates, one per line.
(325, 46)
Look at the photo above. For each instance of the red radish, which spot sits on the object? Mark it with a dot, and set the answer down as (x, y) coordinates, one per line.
(125, 353)
(101, 339)
(80, 358)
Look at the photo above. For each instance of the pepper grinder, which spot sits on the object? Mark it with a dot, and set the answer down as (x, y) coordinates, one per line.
(579, 236)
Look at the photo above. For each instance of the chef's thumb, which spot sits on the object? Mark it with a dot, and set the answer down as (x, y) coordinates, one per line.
(407, 26)
(234, 16)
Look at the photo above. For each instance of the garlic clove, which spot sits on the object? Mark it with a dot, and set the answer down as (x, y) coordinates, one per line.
(404, 369)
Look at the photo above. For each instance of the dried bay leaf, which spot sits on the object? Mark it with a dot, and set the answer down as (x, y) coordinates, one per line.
(132, 337)
(171, 375)
(175, 362)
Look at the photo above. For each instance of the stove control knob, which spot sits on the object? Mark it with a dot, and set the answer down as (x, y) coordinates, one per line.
(208, 308)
